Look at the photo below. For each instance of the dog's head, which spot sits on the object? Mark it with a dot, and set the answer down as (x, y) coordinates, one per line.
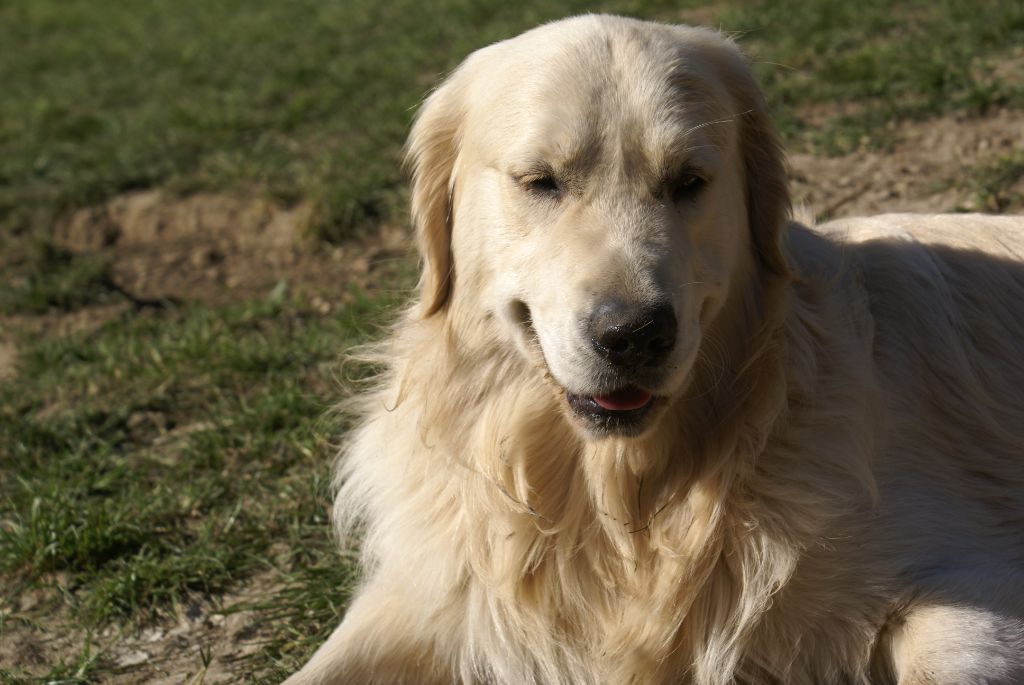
(600, 187)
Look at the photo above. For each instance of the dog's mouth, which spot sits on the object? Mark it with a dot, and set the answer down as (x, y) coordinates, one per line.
(626, 399)
(623, 411)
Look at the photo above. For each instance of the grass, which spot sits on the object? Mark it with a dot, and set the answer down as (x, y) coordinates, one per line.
(178, 452)
(53, 278)
(883, 61)
(82, 668)
(174, 455)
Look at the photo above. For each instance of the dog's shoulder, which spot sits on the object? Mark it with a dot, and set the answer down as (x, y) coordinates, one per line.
(943, 292)
(951, 260)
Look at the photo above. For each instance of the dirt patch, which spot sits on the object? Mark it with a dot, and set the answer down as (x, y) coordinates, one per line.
(928, 169)
(203, 645)
(204, 642)
(217, 248)
(148, 217)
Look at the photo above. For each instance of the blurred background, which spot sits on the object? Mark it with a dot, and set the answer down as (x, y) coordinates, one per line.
(202, 207)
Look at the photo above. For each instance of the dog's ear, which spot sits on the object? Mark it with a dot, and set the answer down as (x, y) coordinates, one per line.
(430, 156)
(767, 189)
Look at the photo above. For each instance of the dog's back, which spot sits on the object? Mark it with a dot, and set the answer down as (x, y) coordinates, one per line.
(946, 294)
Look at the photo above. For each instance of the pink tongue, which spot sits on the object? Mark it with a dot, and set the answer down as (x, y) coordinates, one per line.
(623, 400)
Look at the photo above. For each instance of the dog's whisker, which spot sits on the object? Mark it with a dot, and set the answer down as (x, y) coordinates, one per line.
(725, 120)
(689, 283)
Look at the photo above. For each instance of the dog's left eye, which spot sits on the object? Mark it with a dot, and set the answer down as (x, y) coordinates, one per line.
(686, 186)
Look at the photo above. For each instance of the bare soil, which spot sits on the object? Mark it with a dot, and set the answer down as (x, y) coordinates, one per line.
(216, 248)
(200, 643)
(928, 169)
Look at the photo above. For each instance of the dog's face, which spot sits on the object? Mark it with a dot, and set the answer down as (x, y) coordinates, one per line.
(599, 188)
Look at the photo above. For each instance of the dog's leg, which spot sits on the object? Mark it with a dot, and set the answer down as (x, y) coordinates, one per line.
(383, 640)
(958, 644)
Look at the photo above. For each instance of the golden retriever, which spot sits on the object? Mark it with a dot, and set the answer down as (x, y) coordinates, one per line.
(640, 427)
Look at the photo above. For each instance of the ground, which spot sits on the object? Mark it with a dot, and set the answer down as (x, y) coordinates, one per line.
(174, 310)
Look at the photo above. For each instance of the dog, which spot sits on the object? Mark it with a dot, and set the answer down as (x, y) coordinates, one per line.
(642, 427)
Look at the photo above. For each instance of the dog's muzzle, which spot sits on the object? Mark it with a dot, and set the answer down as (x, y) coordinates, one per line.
(634, 342)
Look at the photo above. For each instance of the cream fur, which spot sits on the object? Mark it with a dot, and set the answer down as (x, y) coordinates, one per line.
(832, 490)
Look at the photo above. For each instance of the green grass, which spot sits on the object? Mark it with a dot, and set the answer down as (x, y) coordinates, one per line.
(181, 451)
(53, 278)
(886, 61)
(175, 455)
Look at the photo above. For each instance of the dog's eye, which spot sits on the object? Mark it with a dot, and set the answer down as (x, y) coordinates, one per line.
(544, 185)
(686, 186)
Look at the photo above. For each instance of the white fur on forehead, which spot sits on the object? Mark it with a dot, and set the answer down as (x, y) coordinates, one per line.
(572, 58)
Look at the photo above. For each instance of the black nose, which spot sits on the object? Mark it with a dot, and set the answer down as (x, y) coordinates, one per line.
(633, 336)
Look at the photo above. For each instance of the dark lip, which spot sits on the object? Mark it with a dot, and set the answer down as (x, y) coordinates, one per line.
(625, 422)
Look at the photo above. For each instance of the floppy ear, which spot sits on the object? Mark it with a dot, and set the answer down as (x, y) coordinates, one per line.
(767, 189)
(430, 155)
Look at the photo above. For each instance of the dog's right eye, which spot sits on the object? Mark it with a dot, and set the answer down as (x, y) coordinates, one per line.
(544, 185)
